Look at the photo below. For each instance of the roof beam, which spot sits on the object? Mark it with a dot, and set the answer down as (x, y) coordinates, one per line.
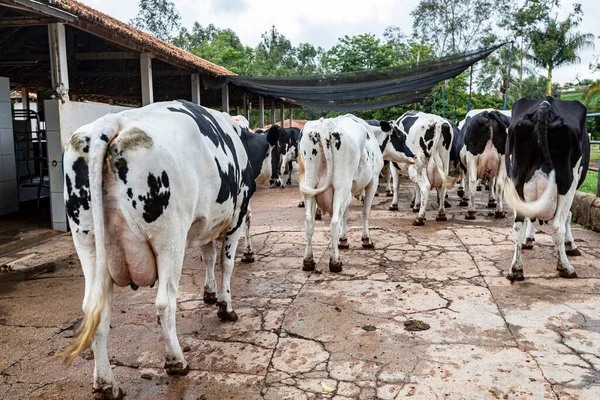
(40, 8)
(14, 22)
(108, 55)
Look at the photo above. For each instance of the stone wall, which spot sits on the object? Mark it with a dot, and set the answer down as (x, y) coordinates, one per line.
(586, 210)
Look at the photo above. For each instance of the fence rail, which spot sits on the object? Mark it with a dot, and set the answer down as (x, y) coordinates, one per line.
(597, 142)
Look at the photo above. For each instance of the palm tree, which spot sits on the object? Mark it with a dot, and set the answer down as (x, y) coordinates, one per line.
(554, 45)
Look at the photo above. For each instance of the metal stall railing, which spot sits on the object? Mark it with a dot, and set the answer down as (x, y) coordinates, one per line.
(595, 143)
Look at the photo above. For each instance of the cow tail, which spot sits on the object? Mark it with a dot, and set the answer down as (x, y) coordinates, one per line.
(326, 146)
(533, 208)
(448, 181)
(101, 279)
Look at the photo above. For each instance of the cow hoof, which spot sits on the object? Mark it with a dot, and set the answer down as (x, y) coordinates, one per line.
(479, 188)
(491, 204)
(288, 182)
(308, 265)
(210, 297)
(446, 204)
(343, 244)
(460, 193)
(393, 207)
(441, 218)
(248, 257)
(573, 252)
(106, 393)
(463, 203)
(224, 315)
(419, 221)
(335, 267)
(177, 369)
(487, 187)
(416, 209)
(376, 194)
(564, 273)
(499, 214)
(412, 204)
(528, 245)
(367, 243)
(301, 204)
(515, 276)
(318, 215)
(470, 215)
(388, 193)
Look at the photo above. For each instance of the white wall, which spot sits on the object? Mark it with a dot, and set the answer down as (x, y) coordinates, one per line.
(9, 201)
(62, 119)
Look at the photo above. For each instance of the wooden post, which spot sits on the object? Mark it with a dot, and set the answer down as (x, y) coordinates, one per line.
(59, 71)
(245, 98)
(598, 183)
(196, 89)
(291, 115)
(225, 98)
(25, 97)
(273, 112)
(282, 113)
(261, 112)
(146, 75)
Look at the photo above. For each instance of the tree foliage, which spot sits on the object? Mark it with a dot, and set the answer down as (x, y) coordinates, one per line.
(453, 26)
(158, 17)
(555, 44)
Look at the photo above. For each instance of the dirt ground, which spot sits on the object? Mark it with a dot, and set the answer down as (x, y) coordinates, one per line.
(312, 335)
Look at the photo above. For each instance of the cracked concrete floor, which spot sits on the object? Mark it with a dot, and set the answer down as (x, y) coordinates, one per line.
(319, 335)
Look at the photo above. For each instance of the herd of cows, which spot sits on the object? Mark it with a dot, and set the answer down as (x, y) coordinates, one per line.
(143, 185)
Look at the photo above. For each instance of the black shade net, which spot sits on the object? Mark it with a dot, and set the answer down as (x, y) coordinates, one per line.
(363, 90)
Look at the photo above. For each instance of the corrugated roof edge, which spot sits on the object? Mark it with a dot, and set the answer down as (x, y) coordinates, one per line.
(146, 40)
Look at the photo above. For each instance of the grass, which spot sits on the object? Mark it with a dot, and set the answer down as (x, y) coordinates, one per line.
(589, 185)
(571, 96)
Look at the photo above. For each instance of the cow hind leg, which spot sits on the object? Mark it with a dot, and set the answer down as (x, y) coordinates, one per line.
(228, 249)
(343, 242)
(529, 235)
(248, 256)
(395, 188)
(516, 268)
(104, 386)
(308, 264)
(441, 193)
(341, 200)
(492, 196)
(472, 176)
(209, 256)
(367, 243)
(289, 179)
(424, 189)
(570, 246)
(169, 272)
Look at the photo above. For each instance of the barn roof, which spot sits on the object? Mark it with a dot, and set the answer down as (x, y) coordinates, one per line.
(96, 22)
(93, 21)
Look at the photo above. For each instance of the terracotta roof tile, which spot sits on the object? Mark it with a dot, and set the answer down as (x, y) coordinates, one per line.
(146, 40)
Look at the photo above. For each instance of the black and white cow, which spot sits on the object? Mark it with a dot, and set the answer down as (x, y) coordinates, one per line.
(430, 138)
(289, 138)
(385, 171)
(339, 159)
(481, 150)
(547, 156)
(143, 185)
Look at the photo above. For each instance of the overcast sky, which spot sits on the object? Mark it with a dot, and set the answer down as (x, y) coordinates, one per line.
(322, 22)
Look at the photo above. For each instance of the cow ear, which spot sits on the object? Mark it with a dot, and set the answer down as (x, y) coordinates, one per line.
(273, 135)
(385, 126)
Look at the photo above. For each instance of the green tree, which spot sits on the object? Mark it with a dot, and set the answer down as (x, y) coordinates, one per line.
(357, 53)
(158, 17)
(555, 44)
(453, 26)
(308, 58)
(274, 55)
